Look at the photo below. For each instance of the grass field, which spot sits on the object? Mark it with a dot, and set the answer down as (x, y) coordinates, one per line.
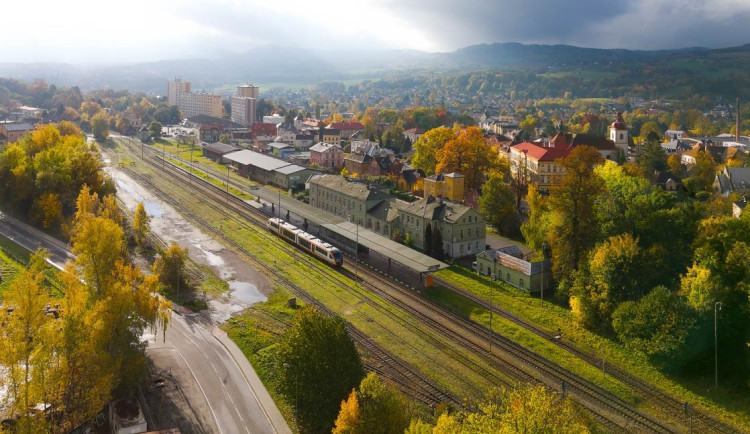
(732, 405)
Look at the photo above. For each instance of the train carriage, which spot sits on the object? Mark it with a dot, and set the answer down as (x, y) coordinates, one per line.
(307, 242)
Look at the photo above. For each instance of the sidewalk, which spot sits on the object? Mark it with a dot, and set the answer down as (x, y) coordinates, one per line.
(259, 390)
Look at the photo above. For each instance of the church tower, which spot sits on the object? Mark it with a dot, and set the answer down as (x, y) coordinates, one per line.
(618, 133)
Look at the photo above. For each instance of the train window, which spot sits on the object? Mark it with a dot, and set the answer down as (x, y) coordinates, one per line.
(288, 234)
(304, 243)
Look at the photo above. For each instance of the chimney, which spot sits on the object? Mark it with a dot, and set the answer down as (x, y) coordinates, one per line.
(737, 124)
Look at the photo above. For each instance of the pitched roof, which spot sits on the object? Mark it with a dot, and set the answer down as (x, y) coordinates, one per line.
(345, 126)
(256, 159)
(540, 153)
(359, 158)
(739, 177)
(323, 147)
(18, 127)
(384, 210)
(220, 148)
(600, 143)
(357, 190)
(288, 170)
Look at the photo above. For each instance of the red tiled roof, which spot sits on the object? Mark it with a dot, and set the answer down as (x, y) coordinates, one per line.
(540, 153)
(346, 126)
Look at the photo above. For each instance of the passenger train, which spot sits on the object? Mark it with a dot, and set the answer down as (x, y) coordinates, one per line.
(314, 246)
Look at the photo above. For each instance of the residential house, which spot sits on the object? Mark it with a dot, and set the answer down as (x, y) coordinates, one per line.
(449, 186)
(326, 155)
(669, 182)
(346, 129)
(304, 140)
(358, 163)
(411, 180)
(739, 207)
(536, 164)
(675, 134)
(732, 180)
(508, 265)
(14, 131)
(413, 134)
(331, 135)
(264, 132)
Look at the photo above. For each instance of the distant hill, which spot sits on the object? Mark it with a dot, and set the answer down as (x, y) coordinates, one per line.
(274, 64)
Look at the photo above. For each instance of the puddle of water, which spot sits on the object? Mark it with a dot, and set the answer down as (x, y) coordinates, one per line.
(246, 292)
(154, 210)
(213, 259)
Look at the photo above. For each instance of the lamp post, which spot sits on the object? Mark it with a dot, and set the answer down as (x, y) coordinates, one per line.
(717, 308)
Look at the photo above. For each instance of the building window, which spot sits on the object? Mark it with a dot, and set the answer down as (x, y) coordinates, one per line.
(507, 277)
(621, 136)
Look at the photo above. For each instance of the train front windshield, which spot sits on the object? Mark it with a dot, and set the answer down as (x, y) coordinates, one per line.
(337, 256)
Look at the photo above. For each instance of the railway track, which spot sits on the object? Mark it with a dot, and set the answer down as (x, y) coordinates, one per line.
(702, 422)
(410, 380)
(586, 391)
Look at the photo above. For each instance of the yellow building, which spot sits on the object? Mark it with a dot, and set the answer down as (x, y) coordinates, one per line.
(449, 186)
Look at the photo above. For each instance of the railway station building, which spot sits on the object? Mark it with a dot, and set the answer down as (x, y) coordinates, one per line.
(462, 228)
(268, 170)
(215, 151)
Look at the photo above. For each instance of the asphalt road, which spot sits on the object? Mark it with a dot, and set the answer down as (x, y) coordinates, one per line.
(223, 374)
(233, 403)
(31, 239)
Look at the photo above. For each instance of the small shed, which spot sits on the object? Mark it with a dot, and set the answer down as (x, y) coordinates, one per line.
(509, 266)
(215, 151)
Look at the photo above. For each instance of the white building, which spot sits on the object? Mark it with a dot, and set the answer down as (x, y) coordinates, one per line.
(243, 110)
(193, 103)
(175, 89)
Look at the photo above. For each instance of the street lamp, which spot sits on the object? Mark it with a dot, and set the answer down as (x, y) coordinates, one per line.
(717, 308)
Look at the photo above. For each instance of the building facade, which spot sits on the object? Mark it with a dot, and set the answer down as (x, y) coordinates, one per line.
(175, 88)
(347, 199)
(243, 110)
(449, 186)
(508, 265)
(200, 103)
(326, 155)
(536, 164)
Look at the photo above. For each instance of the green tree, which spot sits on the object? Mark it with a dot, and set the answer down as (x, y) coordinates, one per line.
(535, 231)
(572, 203)
(437, 244)
(427, 146)
(656, 326)
(100, 125)
(650, 129)
(225, 138)
(154, 129)
(497, 205)
(428, 249)
(170, 266)
(140, 225)
(652, 158)
(318, 366)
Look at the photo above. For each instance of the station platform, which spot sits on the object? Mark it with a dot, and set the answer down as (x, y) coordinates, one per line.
(344, 233)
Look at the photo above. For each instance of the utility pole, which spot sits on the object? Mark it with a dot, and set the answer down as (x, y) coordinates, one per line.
(494, 279)
(227, 185)
(544, 248)
(717, 307)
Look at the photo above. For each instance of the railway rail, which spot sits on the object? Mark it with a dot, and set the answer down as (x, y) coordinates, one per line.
(625, 417)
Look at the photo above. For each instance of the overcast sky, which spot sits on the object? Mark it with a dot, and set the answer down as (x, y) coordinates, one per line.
(143, 30)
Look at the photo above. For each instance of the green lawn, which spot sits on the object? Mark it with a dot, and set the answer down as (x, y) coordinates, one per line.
(553, 317)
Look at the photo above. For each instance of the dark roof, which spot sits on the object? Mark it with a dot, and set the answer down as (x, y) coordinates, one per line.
(220, 148)
(384, 163)
(359, 158)
(331, 132)
(384, 210)
(206, 119)
(18, 127)
(600, 143)
(665, 175)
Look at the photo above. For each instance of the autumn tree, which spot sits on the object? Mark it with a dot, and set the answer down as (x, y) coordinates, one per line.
(528, 409)
(470, 155)
(318, 366)
(497, 206)
(140, 225)
(536, 229)
(427, 146)
(375, 408)
(48, 210)
(572, 203)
